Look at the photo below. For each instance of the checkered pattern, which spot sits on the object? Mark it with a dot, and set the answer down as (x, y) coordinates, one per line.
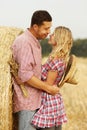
(57, 64)
(51, 112)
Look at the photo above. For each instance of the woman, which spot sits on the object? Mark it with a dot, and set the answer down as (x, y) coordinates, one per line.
(51, 114)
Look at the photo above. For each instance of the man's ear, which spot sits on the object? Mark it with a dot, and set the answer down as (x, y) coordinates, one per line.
(35, 27)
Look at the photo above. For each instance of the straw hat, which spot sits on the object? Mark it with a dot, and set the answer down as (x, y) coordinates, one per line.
(70, 75)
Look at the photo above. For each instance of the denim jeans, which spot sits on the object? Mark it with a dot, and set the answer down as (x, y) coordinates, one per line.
(24, 119)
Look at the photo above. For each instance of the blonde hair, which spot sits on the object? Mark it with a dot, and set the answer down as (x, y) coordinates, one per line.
(64, 40)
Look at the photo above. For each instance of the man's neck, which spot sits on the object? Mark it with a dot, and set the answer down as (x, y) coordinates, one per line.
(33, 32)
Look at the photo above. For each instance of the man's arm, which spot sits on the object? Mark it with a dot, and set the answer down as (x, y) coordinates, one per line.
(36, 83)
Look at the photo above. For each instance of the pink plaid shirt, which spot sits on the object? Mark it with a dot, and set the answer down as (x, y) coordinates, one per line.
(51, 112)
(27, 53)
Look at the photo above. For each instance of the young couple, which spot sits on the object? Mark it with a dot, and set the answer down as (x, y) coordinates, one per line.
(43, 109)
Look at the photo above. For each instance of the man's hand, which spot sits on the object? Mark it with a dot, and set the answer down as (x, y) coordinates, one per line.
(18, 80)
(53, 90)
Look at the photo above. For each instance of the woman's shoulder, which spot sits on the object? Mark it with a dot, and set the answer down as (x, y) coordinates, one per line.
(55, 60)
(54, 63)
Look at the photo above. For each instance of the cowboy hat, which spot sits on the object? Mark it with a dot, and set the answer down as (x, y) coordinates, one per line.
(70, 75)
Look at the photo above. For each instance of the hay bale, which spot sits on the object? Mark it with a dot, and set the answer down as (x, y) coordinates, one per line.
(7, 36)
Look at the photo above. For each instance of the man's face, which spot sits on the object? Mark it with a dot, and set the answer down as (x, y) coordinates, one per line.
(43, 30)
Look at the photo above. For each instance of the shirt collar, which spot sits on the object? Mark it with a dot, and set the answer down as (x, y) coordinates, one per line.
(28, 33)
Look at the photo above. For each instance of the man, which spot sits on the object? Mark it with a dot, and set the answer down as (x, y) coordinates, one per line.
(27, 53)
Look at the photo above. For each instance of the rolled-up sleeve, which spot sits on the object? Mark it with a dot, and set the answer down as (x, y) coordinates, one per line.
(26, 63)
(25, 60)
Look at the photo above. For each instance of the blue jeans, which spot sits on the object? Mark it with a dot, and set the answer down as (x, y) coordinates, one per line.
(24, 119)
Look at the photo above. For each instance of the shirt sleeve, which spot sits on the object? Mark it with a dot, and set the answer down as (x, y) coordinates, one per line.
(58, 65)
(53, 65)
(25, 59)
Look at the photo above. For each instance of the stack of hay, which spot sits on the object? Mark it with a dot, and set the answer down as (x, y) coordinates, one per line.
(7, 36)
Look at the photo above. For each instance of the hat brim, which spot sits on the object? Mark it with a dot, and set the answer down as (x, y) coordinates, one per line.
(69, 73)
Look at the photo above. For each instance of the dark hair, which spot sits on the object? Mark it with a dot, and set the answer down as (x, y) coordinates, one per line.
(40, 16)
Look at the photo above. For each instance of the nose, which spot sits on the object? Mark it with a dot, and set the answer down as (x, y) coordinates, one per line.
(48, 32)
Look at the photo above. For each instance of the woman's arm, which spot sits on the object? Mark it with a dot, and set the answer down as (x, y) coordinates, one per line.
(51, 77)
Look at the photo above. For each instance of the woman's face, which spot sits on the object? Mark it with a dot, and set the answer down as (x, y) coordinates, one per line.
(51, 40)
